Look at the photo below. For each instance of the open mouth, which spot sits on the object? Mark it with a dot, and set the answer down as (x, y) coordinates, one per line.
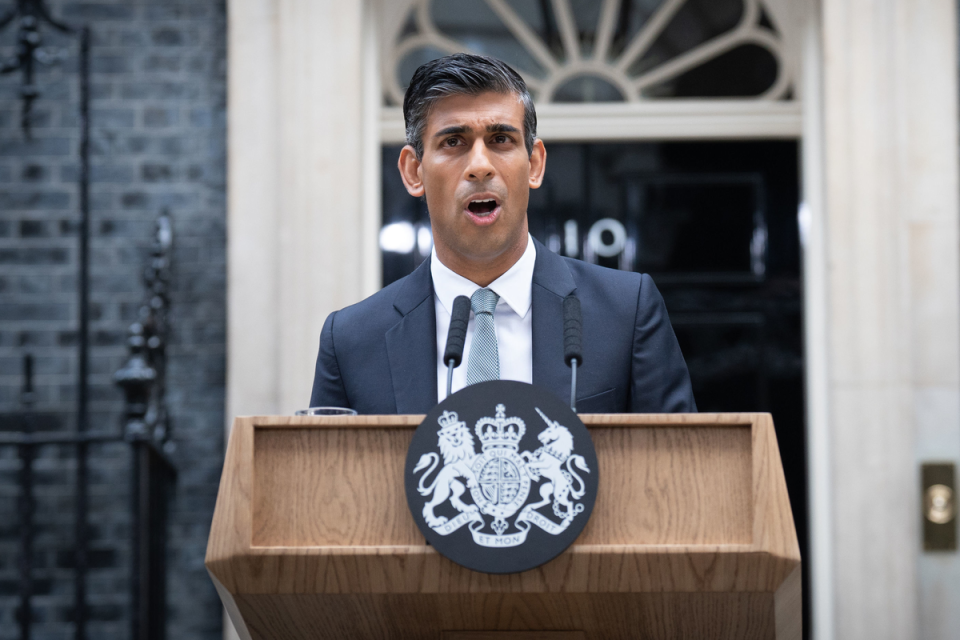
(482, 207)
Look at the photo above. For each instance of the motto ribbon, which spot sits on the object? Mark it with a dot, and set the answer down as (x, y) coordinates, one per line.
(528, 515)
(490, 540)
(450, 526)
(523, 522)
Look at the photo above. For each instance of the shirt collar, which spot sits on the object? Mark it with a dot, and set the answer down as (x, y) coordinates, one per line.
(514, 287)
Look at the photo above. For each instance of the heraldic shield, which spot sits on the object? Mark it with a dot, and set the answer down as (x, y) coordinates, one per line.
(501, 477)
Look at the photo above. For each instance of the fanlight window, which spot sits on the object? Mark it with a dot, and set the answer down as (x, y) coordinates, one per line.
(575, 51)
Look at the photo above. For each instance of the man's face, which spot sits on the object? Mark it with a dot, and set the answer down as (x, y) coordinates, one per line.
(476, 175)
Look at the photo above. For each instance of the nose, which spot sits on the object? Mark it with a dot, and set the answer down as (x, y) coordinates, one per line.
(479, 166)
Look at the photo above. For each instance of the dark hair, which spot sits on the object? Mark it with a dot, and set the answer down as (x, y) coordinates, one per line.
(460, 74)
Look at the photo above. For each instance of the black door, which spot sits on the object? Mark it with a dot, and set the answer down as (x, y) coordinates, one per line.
(716, 226)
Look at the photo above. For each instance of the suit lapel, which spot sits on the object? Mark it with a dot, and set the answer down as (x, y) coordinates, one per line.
(552, 282)
(412, 344)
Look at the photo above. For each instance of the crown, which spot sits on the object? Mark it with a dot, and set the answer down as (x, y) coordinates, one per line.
(500, 432)
(450, 421)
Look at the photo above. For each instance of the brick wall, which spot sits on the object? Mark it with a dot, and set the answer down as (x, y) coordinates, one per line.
(158, 142)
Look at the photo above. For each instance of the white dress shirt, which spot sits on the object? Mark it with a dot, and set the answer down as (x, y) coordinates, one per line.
(512, 318)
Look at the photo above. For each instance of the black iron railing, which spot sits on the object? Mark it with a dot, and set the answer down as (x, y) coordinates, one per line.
(146, 428)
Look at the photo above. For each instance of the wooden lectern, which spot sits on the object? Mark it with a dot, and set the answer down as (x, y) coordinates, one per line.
(691, 537)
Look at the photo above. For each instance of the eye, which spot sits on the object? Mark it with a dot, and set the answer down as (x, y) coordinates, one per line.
(451, 142)
(501, 139)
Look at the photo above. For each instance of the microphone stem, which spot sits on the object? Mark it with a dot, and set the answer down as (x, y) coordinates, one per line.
(450, 367)
(573, 385)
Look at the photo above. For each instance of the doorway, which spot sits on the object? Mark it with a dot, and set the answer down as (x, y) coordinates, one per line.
(715, 225)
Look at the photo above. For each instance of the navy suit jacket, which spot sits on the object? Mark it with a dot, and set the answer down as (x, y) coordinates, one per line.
(379, 356)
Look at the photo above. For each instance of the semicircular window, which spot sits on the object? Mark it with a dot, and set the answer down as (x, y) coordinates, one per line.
(576, 51)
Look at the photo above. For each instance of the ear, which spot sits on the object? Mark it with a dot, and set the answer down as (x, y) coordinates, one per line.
(538, 164)
(409, 168)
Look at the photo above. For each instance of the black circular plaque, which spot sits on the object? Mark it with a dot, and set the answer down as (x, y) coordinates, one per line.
(501, 477)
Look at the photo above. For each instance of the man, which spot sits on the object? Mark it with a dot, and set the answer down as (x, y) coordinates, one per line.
(473, 154)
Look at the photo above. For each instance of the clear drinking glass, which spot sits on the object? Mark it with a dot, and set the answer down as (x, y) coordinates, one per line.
(325, 411)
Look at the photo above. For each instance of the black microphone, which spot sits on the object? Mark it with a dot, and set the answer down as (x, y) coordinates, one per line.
(572, 349)
(456, 336)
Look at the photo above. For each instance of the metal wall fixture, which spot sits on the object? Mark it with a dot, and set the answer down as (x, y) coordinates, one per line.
(30, 16)
(939, 484)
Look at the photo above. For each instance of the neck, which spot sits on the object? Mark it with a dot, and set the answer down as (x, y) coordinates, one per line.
(482, 272)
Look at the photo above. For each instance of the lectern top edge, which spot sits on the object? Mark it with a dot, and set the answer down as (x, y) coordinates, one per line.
(583, 549)
(589, 419)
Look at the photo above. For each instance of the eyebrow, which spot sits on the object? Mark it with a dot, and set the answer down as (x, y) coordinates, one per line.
(491, 128)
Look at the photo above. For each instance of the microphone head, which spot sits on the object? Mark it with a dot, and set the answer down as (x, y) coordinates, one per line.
(572, 330)
(458, 331)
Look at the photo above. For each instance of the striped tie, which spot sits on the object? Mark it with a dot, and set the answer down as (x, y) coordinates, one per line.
(484, 357)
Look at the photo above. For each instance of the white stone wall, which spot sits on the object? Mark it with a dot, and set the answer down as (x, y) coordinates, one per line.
(301, 245)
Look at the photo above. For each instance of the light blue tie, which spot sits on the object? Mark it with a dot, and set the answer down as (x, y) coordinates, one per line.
(484, 357)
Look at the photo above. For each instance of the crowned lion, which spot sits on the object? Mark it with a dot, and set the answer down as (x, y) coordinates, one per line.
(456, 445)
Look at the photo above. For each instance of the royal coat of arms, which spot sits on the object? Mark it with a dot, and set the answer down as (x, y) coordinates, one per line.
(500, 479)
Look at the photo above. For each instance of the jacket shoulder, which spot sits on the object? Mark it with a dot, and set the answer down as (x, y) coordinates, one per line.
(372, 311)
(591, 278)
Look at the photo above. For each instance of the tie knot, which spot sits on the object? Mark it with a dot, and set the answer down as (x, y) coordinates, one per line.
(483, 301)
